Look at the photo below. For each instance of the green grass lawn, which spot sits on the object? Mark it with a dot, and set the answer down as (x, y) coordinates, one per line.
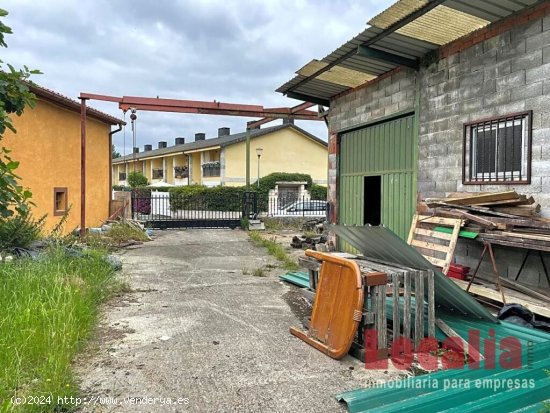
(47, 309)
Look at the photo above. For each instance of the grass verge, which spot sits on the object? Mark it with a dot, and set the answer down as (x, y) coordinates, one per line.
(49, 306)
(274, 249)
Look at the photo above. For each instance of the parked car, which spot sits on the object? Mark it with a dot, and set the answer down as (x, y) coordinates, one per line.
(313, 208)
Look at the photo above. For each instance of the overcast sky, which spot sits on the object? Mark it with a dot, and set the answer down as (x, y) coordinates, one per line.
(236, 51)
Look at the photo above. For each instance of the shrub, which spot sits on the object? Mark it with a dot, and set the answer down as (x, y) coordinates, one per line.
(136, 179)
(121, 188)
(19, 231)
(318, 192)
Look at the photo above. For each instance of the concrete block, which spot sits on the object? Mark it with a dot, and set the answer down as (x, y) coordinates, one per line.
(445, 186)
(486, 59)
(385, 101)
(512, 80)
(537, 41)
(470, 79)
(512, 107)
(437, 77)
(471, 105)
(378, 113)
(392, 88)
(426, 186)
(406, 104)
(538, 104)
(438, 125)
(526, 92)
(527, 61)
(511, 50)
(496, 41)
(498, 98)
(500, 69)
(536, 120)
(471, 52)
(464, 67)
(470, 92)
(406, 83)
(399, 96)
(393, 108)
(528, 29)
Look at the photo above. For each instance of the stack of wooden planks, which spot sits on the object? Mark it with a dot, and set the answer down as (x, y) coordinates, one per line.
(506, 212)
(502, 218)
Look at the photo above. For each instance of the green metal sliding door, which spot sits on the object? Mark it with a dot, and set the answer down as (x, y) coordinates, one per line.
(386, 150)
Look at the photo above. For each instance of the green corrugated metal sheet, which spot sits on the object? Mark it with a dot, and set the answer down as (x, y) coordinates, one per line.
(429, 393)
(388, 150)
(379, 243)
(299, 278)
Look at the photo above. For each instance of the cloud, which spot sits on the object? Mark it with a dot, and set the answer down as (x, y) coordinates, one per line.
(236, 51)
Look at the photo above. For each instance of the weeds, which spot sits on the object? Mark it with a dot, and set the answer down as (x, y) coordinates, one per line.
(245, 271)
(274, 249)
(121, 232)
(48, 307)
(259, 272)
(19, 231)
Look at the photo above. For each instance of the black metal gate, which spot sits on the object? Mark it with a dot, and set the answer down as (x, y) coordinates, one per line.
(165, 210)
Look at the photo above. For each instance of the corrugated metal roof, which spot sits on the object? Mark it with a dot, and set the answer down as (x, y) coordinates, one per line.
(440, 25)
(207, 143)
(379, 243)
(522, 390)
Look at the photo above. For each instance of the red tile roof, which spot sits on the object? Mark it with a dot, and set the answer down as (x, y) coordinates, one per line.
(59, 99)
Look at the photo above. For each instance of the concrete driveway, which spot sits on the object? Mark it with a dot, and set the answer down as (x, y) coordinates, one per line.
(199, 327)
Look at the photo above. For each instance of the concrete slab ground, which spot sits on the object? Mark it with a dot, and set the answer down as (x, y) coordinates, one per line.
(197, 325)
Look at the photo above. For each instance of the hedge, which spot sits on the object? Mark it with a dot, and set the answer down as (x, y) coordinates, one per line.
(197, 197)
(229, 198)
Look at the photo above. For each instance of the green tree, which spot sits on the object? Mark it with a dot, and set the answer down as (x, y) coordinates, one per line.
(115, 153)
(136, 179)
(14, 97)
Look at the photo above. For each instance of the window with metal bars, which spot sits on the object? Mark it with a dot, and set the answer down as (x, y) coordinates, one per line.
(498, 150)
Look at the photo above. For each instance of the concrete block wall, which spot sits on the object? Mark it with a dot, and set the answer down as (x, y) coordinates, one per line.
(389, 94)
(501, 69)
(504, 74)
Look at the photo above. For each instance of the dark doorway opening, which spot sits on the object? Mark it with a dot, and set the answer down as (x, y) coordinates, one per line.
(372, 200)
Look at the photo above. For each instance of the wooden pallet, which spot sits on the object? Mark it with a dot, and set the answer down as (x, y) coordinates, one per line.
(436, 247)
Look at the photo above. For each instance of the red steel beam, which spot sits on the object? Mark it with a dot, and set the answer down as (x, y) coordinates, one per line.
(207, 108)
(294, 109)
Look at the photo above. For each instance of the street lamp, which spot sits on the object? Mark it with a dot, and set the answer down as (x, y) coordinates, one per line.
(259, 153)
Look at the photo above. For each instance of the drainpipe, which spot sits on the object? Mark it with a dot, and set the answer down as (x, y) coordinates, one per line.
(82, 169)
(111, 163)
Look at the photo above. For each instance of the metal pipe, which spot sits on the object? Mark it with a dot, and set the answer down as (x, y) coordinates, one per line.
(259, 156)
(111, 163)
(82, 169)
(247, 159)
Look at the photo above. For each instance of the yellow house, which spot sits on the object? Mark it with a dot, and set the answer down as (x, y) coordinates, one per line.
(47, 145)
(222, 160)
